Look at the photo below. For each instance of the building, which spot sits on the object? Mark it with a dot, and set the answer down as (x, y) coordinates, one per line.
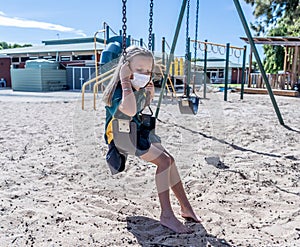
(216, 71)
(5, 79)
(76, 56)
(290, 76)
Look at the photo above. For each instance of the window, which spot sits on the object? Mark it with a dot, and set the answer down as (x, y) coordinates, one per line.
(15, 60)
(65, 58)
(24, 59)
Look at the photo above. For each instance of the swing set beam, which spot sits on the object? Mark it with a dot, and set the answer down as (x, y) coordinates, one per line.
(215, 44)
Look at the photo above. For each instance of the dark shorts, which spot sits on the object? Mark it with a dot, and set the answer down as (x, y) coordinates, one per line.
(144, 140)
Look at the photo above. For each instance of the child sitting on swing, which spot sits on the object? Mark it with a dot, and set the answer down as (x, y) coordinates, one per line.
(128, 93)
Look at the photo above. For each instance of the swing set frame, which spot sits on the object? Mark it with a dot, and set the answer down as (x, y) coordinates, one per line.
(251, 42)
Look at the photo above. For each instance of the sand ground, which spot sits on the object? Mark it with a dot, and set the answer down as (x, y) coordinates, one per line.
(239, 166)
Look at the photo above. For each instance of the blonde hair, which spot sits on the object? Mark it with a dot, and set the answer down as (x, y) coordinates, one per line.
(131, 51)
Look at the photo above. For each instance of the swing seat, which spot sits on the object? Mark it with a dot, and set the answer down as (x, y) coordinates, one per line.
(188, 105)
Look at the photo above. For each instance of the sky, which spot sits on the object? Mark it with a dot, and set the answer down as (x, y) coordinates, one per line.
(33, 21)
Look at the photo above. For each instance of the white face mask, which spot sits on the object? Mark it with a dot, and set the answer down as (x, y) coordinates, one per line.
(140, 80)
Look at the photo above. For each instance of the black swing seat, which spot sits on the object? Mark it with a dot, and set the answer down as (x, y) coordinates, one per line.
(188, 105)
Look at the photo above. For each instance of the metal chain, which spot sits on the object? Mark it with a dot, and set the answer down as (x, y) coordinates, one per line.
(187, 27)
(150, 25)
(187, 38)
(124, 28)
(196, 35)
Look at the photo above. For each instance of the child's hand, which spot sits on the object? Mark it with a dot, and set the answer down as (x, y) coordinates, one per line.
(150, 88)
(125, 71)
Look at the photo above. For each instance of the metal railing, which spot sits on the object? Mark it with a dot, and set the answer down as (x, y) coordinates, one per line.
(105, 76)
(95, 88)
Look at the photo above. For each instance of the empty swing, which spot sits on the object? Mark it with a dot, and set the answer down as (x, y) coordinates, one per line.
(189, 104)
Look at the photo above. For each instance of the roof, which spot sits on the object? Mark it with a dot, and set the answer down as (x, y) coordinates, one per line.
(4, 56)
(71, 41)
(217, 63)
(276, 40)
(58, 46)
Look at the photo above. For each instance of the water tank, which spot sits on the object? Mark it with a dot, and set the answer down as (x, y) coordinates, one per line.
(41, 63)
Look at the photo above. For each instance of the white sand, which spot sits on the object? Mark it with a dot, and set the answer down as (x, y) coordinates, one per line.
(56, 189)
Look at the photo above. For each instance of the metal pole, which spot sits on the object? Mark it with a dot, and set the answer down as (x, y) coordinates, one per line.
(205, 69)
(243, 72)
(171, 55)
(96, 54)
(106, 32)
(259, 63)
(153, 42)
(163, 49)
(226, 71)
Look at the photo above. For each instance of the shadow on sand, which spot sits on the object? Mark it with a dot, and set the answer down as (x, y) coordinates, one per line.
(150, 233)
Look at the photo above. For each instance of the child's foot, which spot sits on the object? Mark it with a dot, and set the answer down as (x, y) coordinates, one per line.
(169, 220)
(189, 214)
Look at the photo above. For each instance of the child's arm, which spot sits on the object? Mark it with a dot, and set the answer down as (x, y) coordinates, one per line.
(150, 90)
(128, 102)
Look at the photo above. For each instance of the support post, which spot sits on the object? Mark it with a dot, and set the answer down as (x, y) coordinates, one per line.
(106, 33)
(205, 69)
(250, 68)
(260, 65)
(226, 71)
(163, 50)
(171, 55)
(243, 72)
(152, 42)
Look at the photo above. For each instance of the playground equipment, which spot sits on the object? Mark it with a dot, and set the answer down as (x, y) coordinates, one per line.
(251, 42)
(173, 46)
(189, 104)
(227, 49)
(104, 77)
(259, 63)
(114, 47)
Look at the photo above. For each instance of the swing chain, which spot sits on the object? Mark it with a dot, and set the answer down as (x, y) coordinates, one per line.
(124, 28)
(196, 35)
(187, 28)
(150, 25)
(186, 62)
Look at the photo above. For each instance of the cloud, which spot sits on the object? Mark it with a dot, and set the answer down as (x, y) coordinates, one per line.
(23, 23)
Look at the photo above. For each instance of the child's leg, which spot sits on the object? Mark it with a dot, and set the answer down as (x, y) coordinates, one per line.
(164, 162)
(177, 187)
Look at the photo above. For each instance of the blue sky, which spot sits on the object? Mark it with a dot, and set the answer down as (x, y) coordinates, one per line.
(32, 21)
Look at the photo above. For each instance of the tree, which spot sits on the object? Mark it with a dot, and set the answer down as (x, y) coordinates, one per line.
(275, 18)
(269, 12)
(275, 54)
(4, 45)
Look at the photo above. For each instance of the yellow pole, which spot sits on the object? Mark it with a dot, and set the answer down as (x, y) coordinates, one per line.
(176, 72)
(181, 66)
(89, 82)
(96, 85)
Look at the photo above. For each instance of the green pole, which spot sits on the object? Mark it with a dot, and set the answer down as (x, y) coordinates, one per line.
(152, 42)
(226, 71)
(205, 69)
(171, 55)
(259, 63)
(163, 50)
(243, 72)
